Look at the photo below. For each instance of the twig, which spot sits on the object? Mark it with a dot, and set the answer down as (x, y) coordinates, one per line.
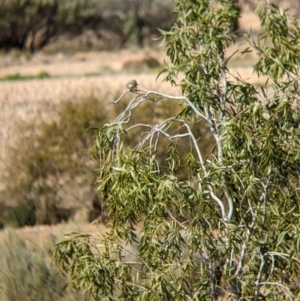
(259, 276)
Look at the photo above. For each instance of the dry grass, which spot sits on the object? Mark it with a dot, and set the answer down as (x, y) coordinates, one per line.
(27, 269)
(78, 64)
(40, 98)
(43, 234)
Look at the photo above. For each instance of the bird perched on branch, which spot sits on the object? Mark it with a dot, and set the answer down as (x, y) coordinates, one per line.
(132, 85)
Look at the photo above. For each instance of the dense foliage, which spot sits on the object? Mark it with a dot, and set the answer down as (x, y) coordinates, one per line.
(229, 230)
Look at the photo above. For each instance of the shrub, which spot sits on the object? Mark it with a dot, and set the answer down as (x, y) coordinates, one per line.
(136, 22)
(47, 171)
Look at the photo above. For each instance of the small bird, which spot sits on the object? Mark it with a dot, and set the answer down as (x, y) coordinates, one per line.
(132, 85)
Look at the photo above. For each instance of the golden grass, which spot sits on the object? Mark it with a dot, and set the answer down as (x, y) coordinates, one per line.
(43, 234)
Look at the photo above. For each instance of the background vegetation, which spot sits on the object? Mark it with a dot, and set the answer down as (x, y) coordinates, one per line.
(48, 171)
(107, 24)
(27, 24)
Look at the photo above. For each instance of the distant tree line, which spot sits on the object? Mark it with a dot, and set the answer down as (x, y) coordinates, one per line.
(31, 24)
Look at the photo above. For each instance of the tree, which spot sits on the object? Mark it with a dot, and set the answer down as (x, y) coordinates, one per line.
(229, 230)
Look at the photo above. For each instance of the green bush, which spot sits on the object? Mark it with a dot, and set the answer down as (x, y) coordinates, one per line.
(151, 113)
